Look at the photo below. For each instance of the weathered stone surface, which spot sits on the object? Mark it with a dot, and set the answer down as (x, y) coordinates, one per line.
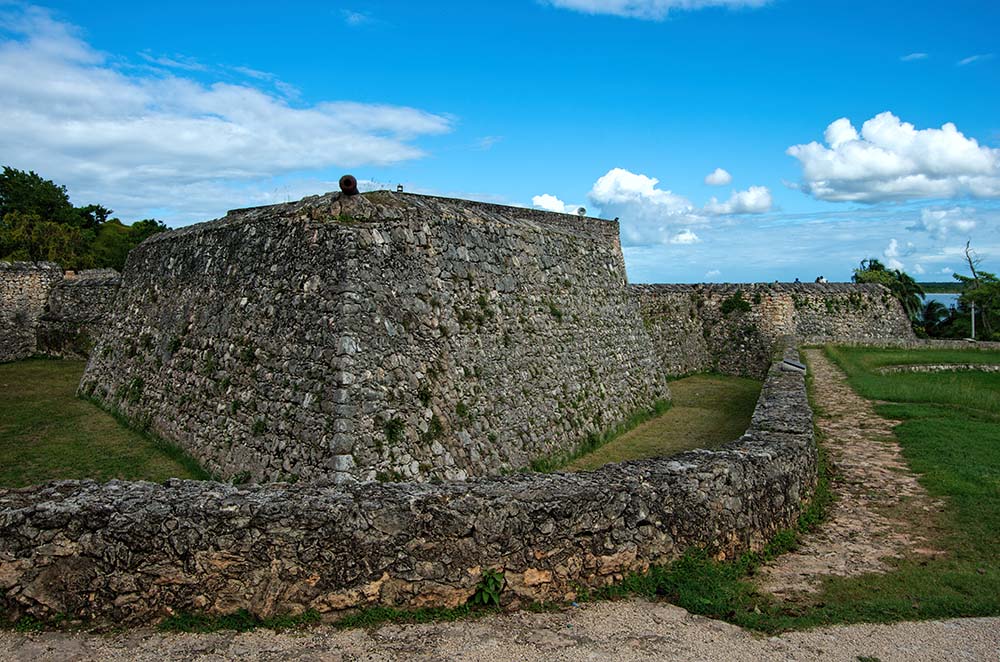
(77, 312)
(128, 552)
(694, 329)
(24, 289)
(390, 336)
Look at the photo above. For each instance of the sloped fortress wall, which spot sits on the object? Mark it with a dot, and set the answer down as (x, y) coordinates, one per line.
(24, 289)
(77, 312)
(130, 551)
(734, 329)
(381, 336)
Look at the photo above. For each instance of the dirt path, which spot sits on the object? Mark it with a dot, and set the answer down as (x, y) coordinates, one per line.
(877, 496)
(628, 630)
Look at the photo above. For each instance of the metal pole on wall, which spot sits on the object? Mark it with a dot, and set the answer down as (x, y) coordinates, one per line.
(973, 320)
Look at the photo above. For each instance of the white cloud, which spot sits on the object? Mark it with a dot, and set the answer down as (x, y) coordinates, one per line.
(894, 251)
(914, 56)
(718, 177)
(713, 273)
(161, 143)
(939, 222)
(648, 213)
(755, 200)
(974, 58)
(355, 18)
(685, 237)
(892, 160)
(648, 9)
(919, 269)
(947, 270)
(551, 203)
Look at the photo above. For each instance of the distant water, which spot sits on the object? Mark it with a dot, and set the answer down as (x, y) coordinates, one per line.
(948, 300)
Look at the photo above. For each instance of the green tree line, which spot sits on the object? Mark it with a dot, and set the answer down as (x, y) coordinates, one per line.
(38, 222)
(979, 291)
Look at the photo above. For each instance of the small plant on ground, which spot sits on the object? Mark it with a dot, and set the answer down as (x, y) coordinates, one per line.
(489, 588)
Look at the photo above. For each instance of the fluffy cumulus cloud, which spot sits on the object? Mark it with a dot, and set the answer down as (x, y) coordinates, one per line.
(648, 213)
(685, 237)
(551, 203)
(893, 160)
(718, 177)
(150, 138)
(654, 10)
(894, 251)
(939, 223)
(755, 200)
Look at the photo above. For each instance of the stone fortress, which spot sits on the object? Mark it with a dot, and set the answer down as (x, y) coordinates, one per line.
(360, 350)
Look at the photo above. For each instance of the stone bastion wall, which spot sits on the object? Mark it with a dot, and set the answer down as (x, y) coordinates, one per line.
(24, 290)
(380, 336)
(130, 552)
(77, 312)
(735, 328)
(44, 310)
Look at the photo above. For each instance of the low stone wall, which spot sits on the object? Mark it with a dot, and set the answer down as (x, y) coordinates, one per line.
(131, 552)
(79, 309)
(24, 289)
(735, 328)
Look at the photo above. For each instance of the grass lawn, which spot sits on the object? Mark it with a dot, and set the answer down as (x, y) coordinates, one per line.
(950, 436)
(47, 433)
(706, 411)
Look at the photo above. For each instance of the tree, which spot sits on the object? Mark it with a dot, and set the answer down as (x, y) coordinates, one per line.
(38, 222)
(901, 284)
(28, 193)
(983, 290)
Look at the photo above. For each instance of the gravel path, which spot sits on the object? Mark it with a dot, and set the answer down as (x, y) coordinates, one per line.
(878, 498)
(627, 630)
(871, 480)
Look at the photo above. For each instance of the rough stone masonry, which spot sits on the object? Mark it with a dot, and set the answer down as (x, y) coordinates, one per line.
(379, 336)
(130, 552)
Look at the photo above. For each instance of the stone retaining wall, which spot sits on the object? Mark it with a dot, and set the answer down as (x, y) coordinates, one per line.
(381, 336)
(77, 312)
(734, 328)
(131, 552)
(24, 289)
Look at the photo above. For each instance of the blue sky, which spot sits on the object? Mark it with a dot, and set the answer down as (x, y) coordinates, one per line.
(184, 110)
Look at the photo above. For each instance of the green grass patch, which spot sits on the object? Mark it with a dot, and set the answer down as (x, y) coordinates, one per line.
(706, 411)
(47, 433)
(556, 462)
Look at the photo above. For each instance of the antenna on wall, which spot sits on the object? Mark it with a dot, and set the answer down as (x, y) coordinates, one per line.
(581, 211)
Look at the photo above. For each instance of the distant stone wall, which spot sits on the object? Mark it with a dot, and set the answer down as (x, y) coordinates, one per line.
(24, 289)
(382, 336)
(734, 328)
(77, 312)
(129, 552)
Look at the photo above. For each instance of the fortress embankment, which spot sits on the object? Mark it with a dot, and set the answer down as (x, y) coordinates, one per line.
(24, 291)
(44, 310)
(130, 552)
(380, 336)
(735, 328)
(339, 345)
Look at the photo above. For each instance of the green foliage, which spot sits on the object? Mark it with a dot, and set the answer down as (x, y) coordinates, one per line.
(242, 478)
(488, 589)
(37, 222)
(259, 427)
(434, 430)
(735, 303)
(394, 430)
(906, 290)
(555, 312)
(462, 410)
